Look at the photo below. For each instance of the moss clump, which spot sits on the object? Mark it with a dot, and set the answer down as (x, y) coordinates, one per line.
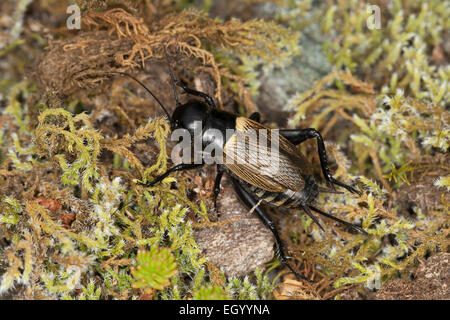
(135, 42)
(154, 268)
(210, 293)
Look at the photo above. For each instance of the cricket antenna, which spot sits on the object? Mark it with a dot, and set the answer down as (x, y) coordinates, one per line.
(147, 89)
(172, 79)
(313, 218)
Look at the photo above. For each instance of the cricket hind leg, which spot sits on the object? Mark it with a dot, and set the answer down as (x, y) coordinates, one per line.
(220, 171)
(251, 202)
(298, 136)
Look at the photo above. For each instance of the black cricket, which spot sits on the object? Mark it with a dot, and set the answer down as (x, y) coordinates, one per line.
(294, 188)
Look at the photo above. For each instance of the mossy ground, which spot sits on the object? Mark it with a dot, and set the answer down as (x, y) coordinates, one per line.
(74, 139)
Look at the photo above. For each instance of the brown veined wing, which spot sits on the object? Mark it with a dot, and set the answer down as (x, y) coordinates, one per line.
(263, 158)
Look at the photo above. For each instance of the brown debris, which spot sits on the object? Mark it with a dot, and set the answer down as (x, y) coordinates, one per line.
(432, 282)
(67, 219)
(420, 192)
(81, 61)
(50, 204)
(291, 289)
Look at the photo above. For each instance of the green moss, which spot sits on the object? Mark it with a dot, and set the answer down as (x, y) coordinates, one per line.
(244, 289)
(397, 53)
(11, 210)
(83, 141)
(154, 268)
(210, 293)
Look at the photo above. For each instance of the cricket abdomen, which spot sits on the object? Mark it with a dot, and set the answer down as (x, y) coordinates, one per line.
(287, 198)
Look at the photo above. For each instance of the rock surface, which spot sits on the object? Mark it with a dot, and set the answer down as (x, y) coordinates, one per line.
(240, 246)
